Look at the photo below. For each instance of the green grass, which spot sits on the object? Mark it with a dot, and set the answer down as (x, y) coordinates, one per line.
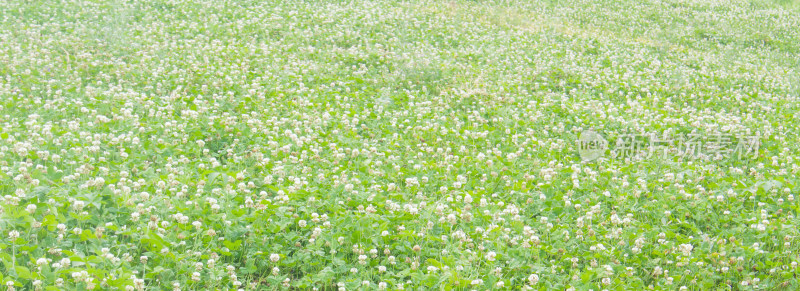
(270, 145)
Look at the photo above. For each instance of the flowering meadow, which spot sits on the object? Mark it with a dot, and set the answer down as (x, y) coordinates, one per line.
(399, 145)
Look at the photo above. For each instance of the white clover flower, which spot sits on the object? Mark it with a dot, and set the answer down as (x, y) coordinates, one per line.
(362, 259)
(533, 279)
(490, 256)
(686, 249)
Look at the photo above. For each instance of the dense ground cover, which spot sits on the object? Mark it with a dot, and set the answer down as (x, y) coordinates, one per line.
(397, 145)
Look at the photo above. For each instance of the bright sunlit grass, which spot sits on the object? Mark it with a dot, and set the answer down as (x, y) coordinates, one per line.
(399, 145)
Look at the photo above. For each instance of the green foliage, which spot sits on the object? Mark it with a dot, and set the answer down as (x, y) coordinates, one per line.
(424, 145)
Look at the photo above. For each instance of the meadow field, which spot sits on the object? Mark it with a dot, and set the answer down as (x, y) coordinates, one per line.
(399, 145)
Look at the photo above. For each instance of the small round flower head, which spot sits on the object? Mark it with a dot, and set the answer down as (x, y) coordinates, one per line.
(533, 279)
(490, 256)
